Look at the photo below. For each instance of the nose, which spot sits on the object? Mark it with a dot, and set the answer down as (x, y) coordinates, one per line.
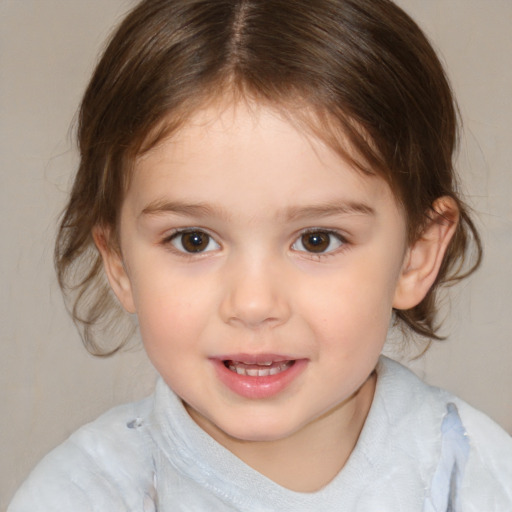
(255, 295)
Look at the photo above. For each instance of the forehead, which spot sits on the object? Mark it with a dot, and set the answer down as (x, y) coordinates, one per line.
(236, 153)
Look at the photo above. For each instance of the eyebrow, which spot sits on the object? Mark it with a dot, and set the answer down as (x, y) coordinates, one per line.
(159, 207)
(293, 213)
(328, 210)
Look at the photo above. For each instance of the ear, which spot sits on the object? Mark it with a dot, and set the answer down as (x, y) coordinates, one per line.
(425, 256)
(114, 267)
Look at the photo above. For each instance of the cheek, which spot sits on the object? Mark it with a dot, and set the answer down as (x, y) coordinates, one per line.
(161, 287)
(170, 330)
(173, 308)
(361, 293)
(164, 315)
(353, 309)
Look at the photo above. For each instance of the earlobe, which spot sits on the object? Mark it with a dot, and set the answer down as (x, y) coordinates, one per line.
(425, 256)
(114, 268)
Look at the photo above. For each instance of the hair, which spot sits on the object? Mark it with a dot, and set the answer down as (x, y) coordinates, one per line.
(370, 81)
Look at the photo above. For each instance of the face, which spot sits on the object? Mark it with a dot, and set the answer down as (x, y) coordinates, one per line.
(263, 269)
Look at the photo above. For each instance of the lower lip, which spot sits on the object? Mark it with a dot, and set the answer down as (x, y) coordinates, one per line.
(258, 387)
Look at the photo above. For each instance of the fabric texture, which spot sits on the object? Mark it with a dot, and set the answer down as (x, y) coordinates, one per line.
(421, 449)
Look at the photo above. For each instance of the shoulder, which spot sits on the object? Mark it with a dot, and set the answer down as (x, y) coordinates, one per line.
(460, 439)
(488, 473)
(103, 466)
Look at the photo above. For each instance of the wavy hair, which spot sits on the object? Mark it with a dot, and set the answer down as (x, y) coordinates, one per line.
(367, 75)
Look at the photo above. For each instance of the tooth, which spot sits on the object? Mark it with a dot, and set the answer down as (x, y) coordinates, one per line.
(263, 369)
(249, 363)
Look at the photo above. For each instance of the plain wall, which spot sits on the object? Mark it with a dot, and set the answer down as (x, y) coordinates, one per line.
(49, 385)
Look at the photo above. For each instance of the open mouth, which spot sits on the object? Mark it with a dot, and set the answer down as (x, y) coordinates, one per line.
(263, 369)
(258, 376)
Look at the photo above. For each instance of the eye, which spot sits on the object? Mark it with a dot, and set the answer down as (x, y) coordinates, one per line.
(318, 241)
(193, 241)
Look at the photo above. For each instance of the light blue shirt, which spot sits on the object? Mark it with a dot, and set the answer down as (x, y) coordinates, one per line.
(421, 449)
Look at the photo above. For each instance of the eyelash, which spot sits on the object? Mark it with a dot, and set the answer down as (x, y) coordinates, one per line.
(182, 232)
(320, 231)
(168, 240)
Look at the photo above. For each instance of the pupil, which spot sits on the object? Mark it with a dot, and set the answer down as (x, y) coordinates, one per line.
(195, 241)
(316, 242)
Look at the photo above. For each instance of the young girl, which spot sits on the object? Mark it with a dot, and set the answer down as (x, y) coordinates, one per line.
(267, 185)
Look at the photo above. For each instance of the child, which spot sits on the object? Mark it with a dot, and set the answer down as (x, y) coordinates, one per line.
(267, 185)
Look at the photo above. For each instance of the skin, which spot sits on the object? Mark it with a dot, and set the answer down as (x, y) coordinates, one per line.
(252, 184)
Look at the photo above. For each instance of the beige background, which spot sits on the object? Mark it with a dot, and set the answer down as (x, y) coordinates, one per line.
(48, 384)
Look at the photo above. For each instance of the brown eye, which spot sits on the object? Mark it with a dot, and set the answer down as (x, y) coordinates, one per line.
(193, 242)
(318, 242)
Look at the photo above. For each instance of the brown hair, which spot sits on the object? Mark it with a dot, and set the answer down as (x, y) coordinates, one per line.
(363, 68)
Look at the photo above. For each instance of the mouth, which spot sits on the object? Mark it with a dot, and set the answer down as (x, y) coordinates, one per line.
(258, 369)
(258, 376)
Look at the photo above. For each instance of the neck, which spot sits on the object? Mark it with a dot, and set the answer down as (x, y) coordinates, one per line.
(310, 458)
